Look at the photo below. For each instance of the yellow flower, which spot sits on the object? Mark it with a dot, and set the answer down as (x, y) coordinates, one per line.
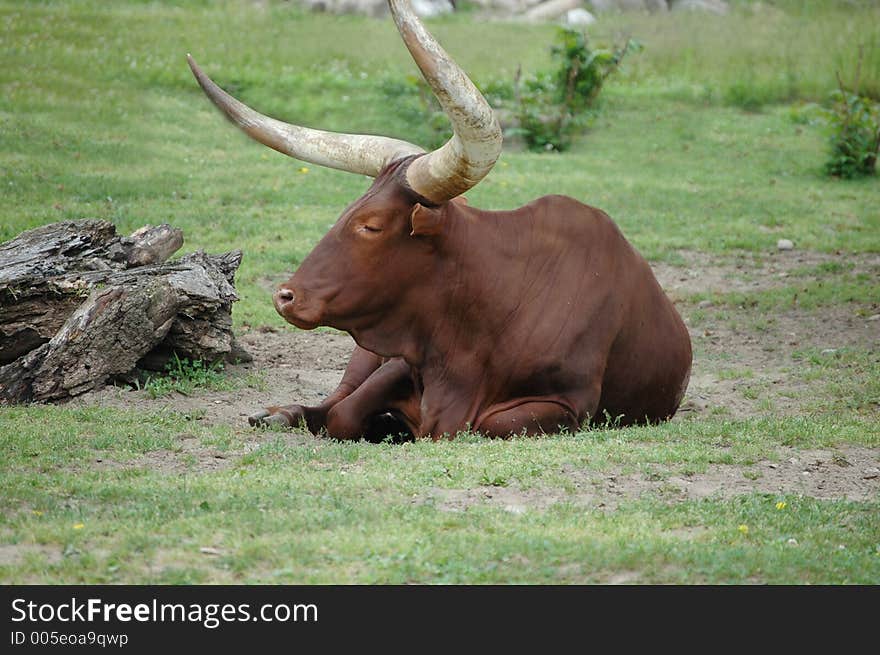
(304, 169)
(781, 504)
(79, 526)
(38, 512)
(743, 528)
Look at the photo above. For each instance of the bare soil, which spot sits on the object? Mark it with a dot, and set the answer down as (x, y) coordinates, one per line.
(849, 473)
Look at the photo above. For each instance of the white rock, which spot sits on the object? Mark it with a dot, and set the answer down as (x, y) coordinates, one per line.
(429, 8)
(579, 17)
(784, 244)
(550, 10)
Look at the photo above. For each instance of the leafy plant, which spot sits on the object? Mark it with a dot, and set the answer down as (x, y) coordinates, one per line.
(185, 376)
(551, 107)
(546, 108)
(855, 135)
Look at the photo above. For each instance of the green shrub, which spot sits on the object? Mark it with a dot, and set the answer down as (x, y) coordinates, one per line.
(855, 131)
(552, 107)
(855, 136)
(547, 108)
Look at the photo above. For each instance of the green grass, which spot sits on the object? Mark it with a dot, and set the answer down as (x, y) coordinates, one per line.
(299, 510)
(185, 376)
(862, 288)
(696, 149)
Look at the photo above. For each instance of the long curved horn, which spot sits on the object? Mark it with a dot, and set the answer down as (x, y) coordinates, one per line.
(475, 145)
(355, 153)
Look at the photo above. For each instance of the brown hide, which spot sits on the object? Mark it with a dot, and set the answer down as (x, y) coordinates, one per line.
(529, 320)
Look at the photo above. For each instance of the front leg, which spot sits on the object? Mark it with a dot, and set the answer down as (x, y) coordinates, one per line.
(361, 365)
(363, 414)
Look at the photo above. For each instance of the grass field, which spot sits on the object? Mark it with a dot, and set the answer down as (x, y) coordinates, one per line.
(704, 154)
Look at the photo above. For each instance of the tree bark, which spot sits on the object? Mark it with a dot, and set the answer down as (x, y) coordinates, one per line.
(80, 304)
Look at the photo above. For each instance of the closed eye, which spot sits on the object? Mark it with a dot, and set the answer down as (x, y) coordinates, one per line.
(369, 228)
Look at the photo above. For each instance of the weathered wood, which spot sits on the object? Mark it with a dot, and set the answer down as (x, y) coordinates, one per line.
(45, 274)
(80, 304)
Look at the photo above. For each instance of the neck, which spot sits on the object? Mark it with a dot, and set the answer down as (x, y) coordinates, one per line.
(453, 315)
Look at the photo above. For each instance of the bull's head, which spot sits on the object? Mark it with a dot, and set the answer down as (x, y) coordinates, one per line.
(388, 232)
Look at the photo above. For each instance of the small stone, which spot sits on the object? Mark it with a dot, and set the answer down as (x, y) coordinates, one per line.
(579, 18)
(874, 317)
(829, 351)
(784, 244)
(208, 550)
(792, 542)
(705, 304)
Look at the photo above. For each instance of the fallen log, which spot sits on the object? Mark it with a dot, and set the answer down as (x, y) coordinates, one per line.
(80, 304)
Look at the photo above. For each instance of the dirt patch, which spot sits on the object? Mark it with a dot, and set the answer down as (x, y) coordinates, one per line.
(510, 499)
(748, 364)
(705, 273)
(850, 473)
(16, 554)
(190, 457)
(288, 366)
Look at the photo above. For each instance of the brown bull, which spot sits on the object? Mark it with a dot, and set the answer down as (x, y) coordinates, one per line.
(531, 320)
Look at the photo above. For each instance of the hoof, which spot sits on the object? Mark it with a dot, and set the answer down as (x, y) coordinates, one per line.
(264, 419)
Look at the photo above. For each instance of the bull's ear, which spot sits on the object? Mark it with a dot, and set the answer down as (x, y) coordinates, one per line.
(426, 221)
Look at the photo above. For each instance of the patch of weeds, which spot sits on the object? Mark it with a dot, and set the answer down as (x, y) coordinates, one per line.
(854, 120)
(654, 475)
(492, 480)
(809, 294)
(735, 374)
(697, 317)
(851, 377)
(750, 392)
(185, 376)
(825, 268)
(256, 380)
(669, 491)
(763, 323)
(745, 95)
(550, 108)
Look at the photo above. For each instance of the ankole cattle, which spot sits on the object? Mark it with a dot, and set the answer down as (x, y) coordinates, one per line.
(537, 319)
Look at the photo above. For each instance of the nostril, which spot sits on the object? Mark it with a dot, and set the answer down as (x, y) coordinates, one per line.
(284, 295)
